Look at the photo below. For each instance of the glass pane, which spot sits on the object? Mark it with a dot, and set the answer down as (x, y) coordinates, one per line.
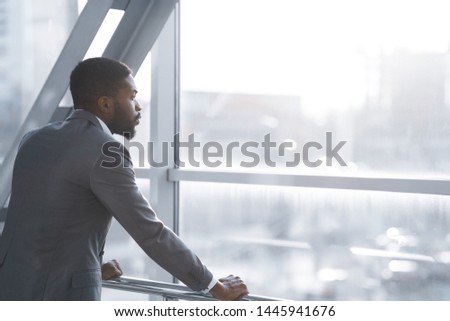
(32, 34)
(105, 33)
(318, 244)
(364, 71)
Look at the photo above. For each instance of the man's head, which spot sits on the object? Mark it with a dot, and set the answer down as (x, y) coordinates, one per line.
(105, 87)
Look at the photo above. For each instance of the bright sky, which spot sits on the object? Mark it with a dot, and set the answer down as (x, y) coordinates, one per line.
(316, 49)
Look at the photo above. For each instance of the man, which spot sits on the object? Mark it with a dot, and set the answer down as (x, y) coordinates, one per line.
(66, 189)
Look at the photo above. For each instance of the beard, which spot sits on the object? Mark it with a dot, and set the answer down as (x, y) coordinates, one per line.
(120, 125)
(129, 134)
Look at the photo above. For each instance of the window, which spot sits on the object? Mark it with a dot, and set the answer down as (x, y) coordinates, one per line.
(366, 74)
(321, 244)
(364, 71)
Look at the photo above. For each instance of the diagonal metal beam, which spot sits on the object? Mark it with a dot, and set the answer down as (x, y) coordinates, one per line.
(61, 113)
(57, 83)
(138, 30)
(120, 4)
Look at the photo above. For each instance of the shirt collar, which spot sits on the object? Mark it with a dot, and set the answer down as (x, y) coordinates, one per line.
(104, 127)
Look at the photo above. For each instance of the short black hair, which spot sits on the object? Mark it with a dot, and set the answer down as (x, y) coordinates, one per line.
(96, 77)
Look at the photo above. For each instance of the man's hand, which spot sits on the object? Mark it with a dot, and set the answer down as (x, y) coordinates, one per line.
(111, 270)
(229, 288)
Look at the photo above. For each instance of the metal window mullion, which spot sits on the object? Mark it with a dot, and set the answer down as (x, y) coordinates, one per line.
(386, 184)
(163, 106)
(176, 119)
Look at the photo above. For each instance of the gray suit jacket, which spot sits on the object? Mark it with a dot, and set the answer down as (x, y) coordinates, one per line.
(65, 191)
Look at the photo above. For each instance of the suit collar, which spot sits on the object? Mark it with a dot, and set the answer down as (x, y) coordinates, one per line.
(83, 114)
(104, 127)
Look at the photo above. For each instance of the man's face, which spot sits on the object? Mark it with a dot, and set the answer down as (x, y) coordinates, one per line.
(126, 110)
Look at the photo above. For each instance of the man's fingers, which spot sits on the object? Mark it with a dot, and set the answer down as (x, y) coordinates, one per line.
(230, 279)
(234, 286)
(111, 269)
(117, 266)
(117, 272)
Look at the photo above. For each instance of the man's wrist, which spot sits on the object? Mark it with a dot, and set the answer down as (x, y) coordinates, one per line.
(210, 285)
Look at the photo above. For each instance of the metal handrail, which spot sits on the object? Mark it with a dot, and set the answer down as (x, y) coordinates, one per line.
(168, 290)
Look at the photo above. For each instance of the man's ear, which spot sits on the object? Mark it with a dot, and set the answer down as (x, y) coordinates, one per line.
(105, 104)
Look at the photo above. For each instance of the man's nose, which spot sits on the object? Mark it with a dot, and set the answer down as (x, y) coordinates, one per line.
(138, 106)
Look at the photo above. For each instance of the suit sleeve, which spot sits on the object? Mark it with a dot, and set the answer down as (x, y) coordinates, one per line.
(113, 182)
